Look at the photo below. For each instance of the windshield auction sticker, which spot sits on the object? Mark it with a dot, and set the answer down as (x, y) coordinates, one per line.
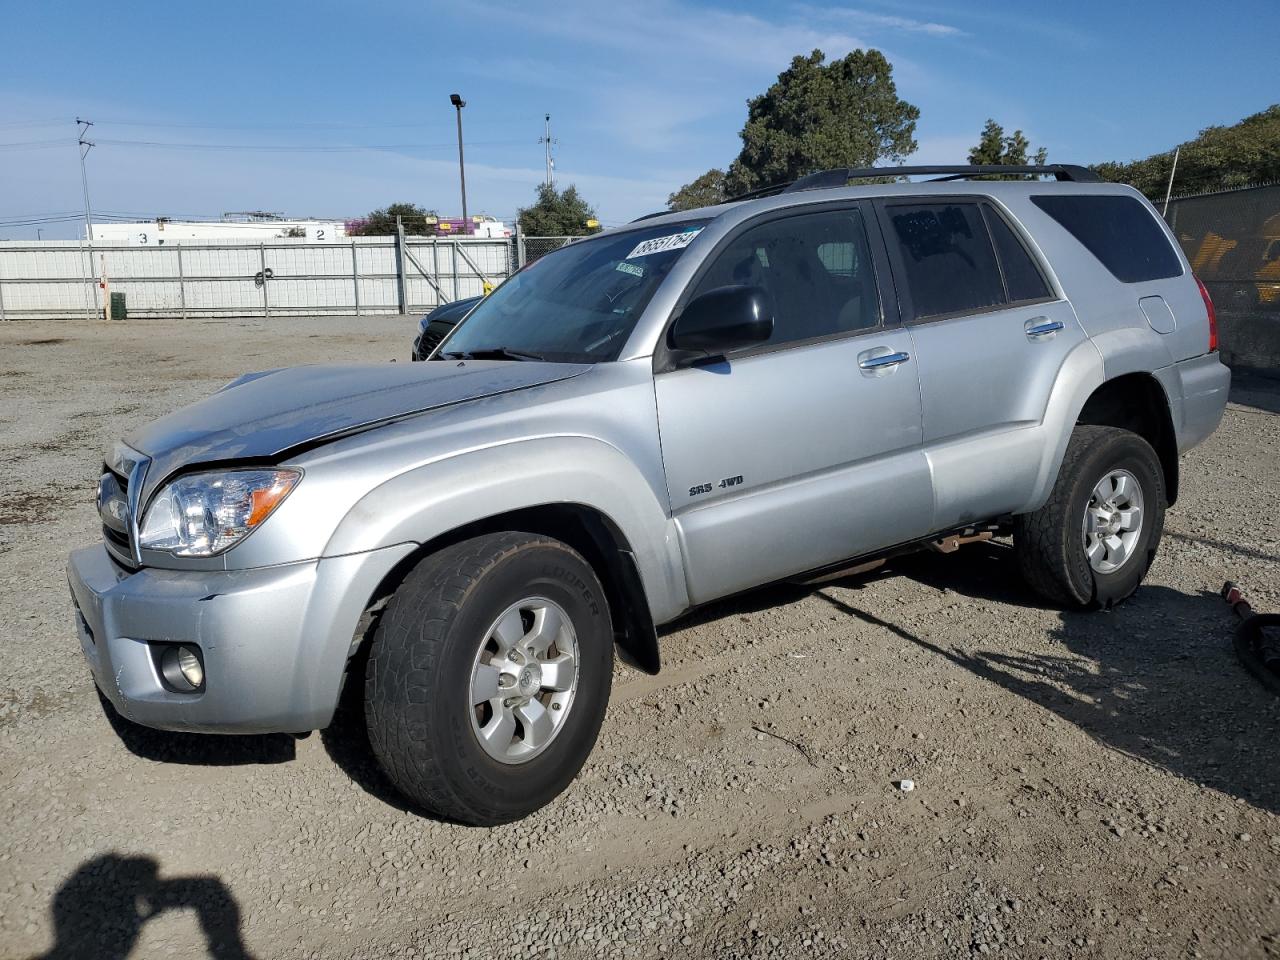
(675, 241)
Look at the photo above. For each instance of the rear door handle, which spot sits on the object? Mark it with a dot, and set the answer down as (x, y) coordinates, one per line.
(867, 361)
(1039, 327)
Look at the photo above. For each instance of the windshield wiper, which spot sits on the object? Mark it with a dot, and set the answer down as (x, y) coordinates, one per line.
(492, 353)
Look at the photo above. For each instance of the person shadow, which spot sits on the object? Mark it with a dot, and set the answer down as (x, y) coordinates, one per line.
(100, 910)
(1155, 678)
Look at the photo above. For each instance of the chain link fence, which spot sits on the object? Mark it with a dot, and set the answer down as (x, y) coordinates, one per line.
(1232, 239)
(531, 248)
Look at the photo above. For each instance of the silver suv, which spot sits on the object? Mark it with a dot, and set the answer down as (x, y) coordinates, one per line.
(684, 408)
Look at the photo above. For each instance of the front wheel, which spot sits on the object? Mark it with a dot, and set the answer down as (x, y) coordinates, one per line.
(1096, 536)
(489, 676)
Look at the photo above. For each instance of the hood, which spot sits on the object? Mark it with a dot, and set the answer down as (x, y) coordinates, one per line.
(261, 416)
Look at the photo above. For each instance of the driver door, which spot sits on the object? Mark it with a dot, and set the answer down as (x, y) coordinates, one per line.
(806, 450)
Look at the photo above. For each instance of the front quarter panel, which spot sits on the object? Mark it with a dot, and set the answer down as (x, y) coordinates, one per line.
(427, 502)
(590, 440)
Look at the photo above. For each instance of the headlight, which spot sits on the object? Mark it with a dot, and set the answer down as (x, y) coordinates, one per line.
(205, 513)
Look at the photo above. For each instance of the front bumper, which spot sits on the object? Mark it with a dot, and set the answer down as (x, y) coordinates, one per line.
(274, 640)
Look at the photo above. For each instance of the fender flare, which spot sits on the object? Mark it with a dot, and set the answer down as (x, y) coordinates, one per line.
(1079, 376)
(1082, 374)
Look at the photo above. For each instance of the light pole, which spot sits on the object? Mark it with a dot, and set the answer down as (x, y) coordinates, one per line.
(458, 104)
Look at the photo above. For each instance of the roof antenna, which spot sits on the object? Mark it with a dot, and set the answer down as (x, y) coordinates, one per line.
(1169, 191)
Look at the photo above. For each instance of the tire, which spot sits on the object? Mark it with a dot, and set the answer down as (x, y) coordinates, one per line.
(1051, 544)
(440, 644)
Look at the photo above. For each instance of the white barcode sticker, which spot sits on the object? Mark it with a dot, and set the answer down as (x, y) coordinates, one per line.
(674, 241)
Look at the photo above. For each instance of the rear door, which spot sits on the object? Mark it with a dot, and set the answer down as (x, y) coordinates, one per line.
(989, 335)
(806, 450)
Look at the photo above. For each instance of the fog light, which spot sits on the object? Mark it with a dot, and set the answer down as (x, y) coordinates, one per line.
(191, 667)
(182, 668)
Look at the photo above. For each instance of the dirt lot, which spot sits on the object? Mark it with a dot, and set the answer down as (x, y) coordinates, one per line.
(1087, 785)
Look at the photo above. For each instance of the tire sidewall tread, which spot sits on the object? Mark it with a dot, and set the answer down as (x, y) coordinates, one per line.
(420, 663)
(1049, 542)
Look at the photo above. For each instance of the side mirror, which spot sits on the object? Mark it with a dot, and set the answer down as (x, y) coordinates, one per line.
(722, 320)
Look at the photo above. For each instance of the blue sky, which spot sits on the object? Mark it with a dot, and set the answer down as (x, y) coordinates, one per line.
(330, 109)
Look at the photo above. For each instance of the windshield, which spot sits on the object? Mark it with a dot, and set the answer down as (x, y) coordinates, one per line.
(576, 305)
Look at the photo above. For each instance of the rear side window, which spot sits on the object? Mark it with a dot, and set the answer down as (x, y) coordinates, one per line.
(1119, 231)
(1022, 278)
(948, 258)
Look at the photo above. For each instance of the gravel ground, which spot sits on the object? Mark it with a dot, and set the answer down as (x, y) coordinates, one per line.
(1086, 785)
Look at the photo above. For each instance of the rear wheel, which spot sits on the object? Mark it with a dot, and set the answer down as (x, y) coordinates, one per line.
(1095, 538)
(489, 676)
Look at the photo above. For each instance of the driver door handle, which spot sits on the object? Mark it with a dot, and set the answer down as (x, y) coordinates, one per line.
(867, 362)
(1038, 327)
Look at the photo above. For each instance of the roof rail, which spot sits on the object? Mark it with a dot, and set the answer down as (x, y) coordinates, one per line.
(841, 176)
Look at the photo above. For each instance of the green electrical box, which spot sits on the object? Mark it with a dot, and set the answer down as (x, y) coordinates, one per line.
(119, 310)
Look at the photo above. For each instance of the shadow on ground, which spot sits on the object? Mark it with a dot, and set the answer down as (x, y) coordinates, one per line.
(100, 910)
(346, 740)
(1156, 678)
(198, 749)
(1251, 389)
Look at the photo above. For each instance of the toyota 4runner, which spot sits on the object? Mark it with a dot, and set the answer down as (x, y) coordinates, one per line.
(643, 421)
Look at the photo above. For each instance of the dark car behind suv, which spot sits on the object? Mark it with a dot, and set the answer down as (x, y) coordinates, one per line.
(435, 326)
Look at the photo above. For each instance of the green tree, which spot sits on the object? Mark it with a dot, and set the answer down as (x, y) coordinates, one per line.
(995, 147)
(819, 116)
(558, 214)
(706, 191)
(1220, 158)
(382, 222)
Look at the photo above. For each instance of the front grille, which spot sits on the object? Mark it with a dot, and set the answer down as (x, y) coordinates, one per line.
(429, 340)
(119, 543)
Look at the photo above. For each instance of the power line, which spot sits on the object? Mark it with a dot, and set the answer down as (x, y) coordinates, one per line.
(36, 144)
(273, 125)
(18, 124)
(261, 147)
(37, 220)
(301, 148)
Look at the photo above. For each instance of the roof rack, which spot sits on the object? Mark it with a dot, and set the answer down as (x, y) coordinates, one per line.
(841, 176)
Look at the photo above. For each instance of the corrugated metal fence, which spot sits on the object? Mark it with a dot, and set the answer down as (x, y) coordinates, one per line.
(226, 278)
(1232, 239)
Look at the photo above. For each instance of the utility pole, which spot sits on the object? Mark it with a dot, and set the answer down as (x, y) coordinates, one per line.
(458, 104)
(85, 147)
(548, 141)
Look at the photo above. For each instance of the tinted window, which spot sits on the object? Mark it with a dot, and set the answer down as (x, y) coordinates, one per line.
(1119, 231)
(816, 268)
(947, 254)
(1022, 278)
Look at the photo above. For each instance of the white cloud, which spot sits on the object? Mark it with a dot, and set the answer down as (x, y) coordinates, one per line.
(674, 40)
(865, 19)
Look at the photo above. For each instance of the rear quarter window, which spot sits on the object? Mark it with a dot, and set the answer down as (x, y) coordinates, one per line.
(1119, 231)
